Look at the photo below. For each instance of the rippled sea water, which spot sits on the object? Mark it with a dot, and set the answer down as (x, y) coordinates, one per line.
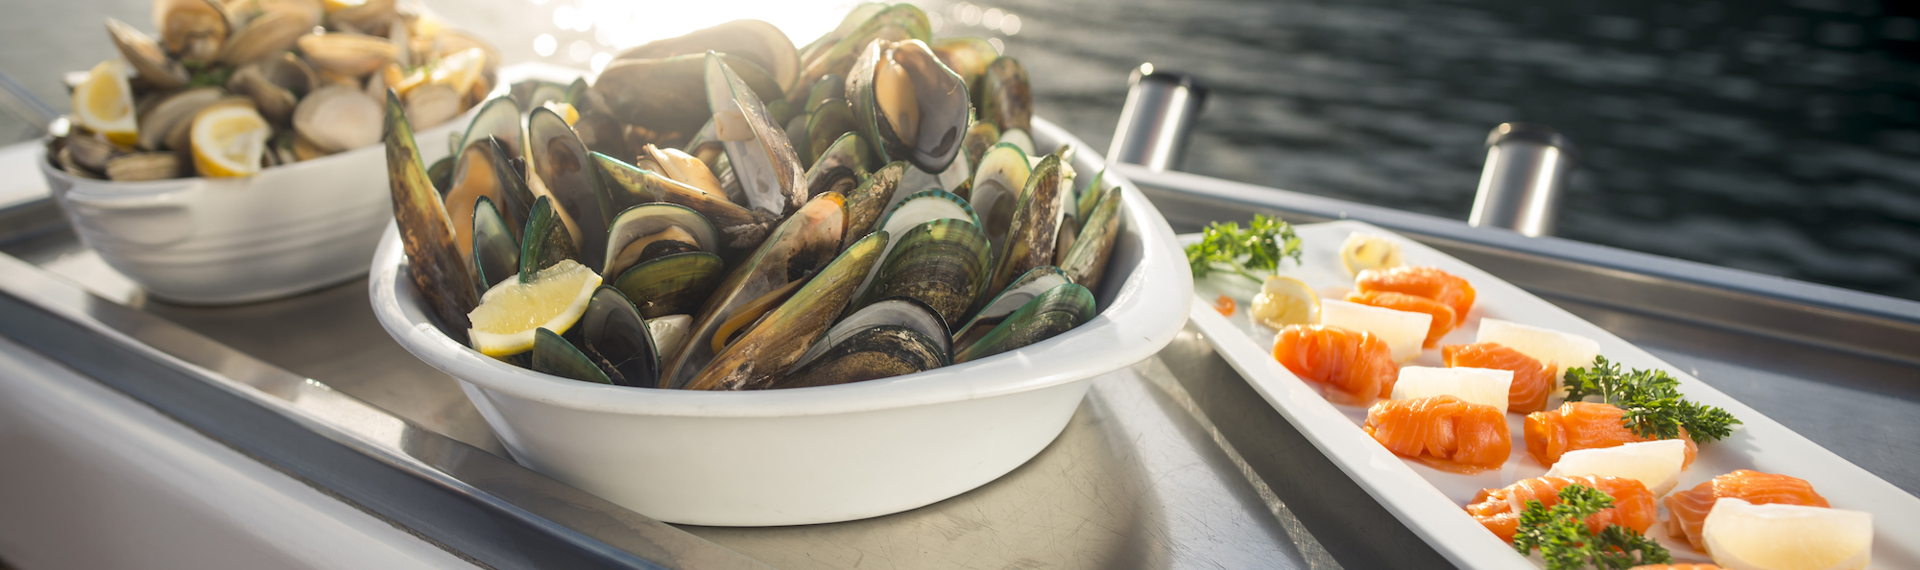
(1776, 136)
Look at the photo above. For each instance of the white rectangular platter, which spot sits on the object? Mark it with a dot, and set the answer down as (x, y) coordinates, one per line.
(1431, 502)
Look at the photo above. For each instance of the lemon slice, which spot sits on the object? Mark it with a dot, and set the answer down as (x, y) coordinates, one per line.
(1655, 463)
(508, 314)
(1476, 385)
(1403, 331)
(1363, 251)
(460, 69)
(228, 140)
(1745, 536)
(565, 111)
(104, 103)
(1285, 301)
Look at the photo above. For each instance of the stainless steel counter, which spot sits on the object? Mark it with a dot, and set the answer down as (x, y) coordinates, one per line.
(1174, 462)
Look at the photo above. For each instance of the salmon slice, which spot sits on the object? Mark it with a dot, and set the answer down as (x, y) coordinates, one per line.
(1442, 431)
(1499, 509)
(1354, 367)
(1583, 425)
(1533, 380)
(1443, 318)
(1428, 282)
(1687, 510)
(1675, 567)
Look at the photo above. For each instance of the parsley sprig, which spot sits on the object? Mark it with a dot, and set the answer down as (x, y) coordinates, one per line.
(1567, 543)
(1652, 401)
(1258, 248)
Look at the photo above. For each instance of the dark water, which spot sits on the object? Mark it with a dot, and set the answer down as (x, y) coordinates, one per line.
(1776, 136)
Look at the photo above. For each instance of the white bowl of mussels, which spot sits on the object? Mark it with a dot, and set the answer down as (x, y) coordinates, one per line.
(743, 329)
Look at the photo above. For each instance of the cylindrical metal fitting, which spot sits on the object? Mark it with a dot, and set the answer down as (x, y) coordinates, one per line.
(1527, 168)
(1160, 110)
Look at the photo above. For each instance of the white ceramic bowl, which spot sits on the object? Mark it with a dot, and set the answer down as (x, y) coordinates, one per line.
(208, 241)
(815, 455)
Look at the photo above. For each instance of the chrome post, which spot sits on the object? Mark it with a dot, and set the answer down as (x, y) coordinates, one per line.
(1160, 110)
(1527, 167)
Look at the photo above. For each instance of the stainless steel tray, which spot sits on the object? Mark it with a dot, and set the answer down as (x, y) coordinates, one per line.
(1175, 462)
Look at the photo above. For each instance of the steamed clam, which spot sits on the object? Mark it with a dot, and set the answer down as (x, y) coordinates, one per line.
(760, 216)
(294, 62)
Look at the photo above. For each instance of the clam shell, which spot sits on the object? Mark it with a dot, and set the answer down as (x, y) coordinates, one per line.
(192, 30)
(347, 54)
(267, 34)
(144, 166)
(149, 61)
(337, 118)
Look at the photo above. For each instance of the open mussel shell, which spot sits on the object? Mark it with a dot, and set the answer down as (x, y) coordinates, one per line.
(968, 57)
(545, 241)
(996, 188)
(1020, 139)
(668, 96)
(1053, 312)
(802, 244)
(614, 335)
(840, 168)
(770, 348)
(671, 284)
(896, 311)
(1086, 262)
(943, 263)
(909, 105)
(482, 169)
(647, 231)
(754, 40)
(1090, 196)
(827, 88)
(739, 228)
(439, 272)
(915, 209)
(1035, 231)
(1016, 295)
(980, 137)
(554, 355)
(763, 160)
(1005, 99)
(869, 200)
(496, 254)
(872, 353)
(499, 117)
(893, 23)
(833, 118)
(149, 62)
(559, 165)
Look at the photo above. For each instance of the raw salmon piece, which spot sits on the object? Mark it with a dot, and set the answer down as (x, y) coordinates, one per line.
(1583, 425)
(1442, 431)
(1687, 510)
(1533, 380)
(1354, 367)
(1675, 567)
(1426, 282)
(1443, 318)
(1499, 509)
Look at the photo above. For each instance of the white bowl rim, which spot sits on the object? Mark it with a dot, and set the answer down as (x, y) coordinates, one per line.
(1119, 343)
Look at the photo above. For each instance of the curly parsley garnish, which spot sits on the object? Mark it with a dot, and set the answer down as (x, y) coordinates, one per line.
(1652, 400)
(1566, 542)
(1258, 248)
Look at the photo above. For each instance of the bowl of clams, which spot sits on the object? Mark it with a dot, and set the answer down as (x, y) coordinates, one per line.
(231, 152)
(738, 281)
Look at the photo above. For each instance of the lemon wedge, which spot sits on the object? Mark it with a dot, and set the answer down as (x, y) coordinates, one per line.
(1476, 385)
(1655, 463)
(508, 314)
(1404, 331)
(460, 69)
(1745, 536)
(104, 103)
(1363, 251)
(1285, 301)
(565, 111)
(228, 141)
